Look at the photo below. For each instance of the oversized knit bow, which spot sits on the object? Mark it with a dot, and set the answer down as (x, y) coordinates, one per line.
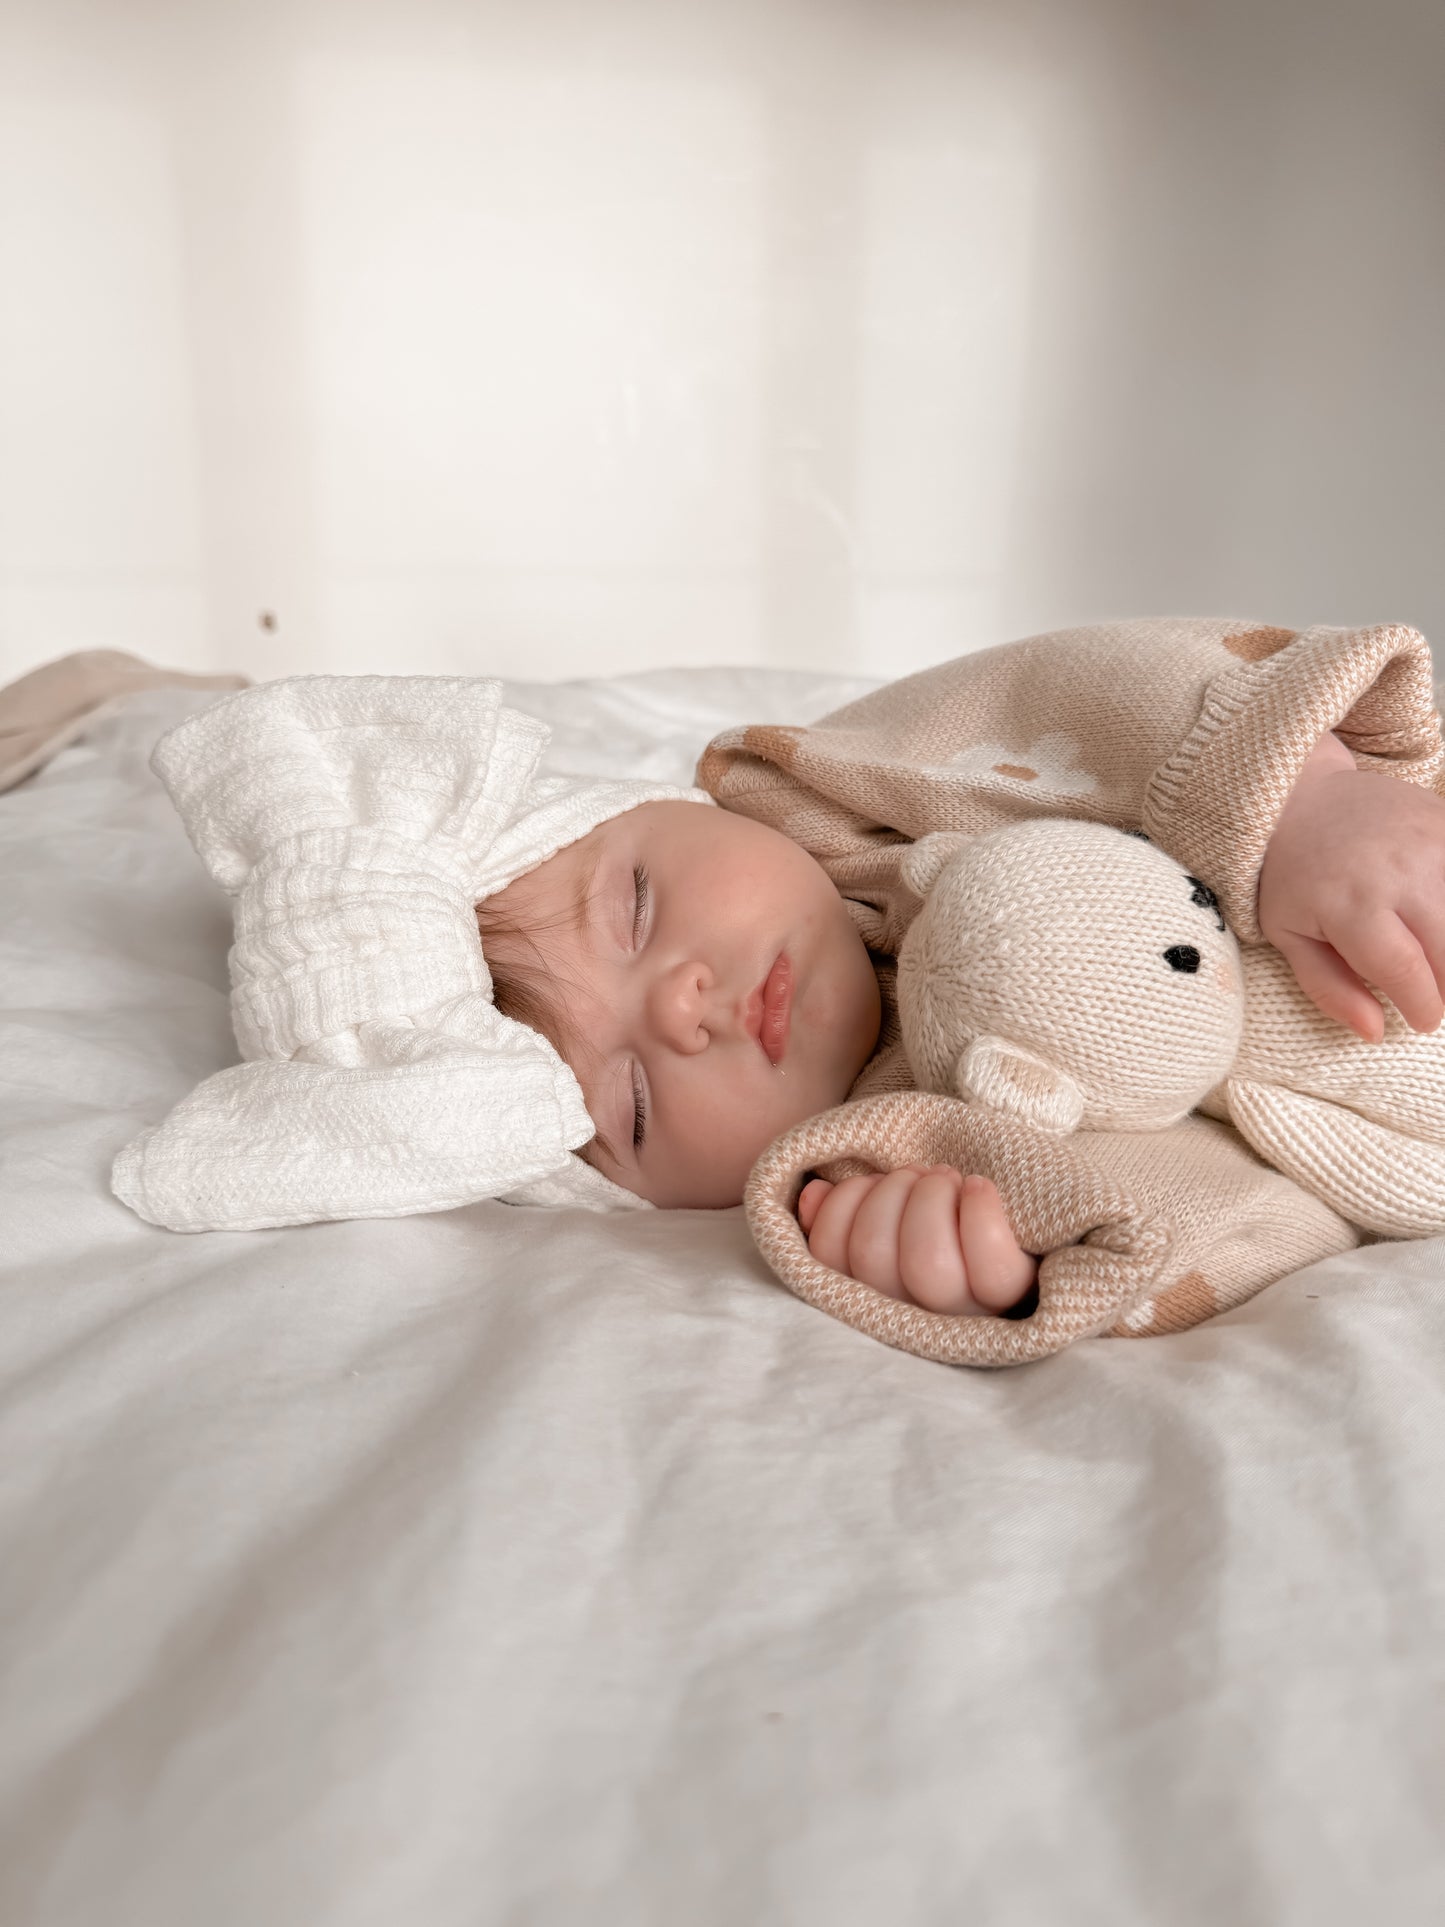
(357, 821)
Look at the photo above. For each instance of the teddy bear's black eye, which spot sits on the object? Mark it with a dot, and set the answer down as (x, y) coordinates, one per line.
(1182, 956)
(1201, 894)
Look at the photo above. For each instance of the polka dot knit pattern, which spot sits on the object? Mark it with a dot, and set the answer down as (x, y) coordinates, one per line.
(1192, 731)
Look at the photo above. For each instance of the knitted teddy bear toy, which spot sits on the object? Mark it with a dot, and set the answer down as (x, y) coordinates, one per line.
(1076, 977)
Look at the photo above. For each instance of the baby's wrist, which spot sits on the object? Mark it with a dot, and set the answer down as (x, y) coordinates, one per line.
(1292, 852)
(1329, 757)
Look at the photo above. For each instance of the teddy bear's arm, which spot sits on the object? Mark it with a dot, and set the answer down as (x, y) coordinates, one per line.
(1384, 1180)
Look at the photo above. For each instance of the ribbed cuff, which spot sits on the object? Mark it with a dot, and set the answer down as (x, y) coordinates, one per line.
(1213, 805)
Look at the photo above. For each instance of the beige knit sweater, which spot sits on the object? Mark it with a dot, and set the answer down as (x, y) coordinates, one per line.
(1191, 730)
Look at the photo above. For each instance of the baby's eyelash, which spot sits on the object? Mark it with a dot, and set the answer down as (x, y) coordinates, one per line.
(640, 891)
(639, 1097)
(639, 1111)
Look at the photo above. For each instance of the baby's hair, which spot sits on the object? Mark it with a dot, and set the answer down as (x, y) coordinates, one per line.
(530, 993)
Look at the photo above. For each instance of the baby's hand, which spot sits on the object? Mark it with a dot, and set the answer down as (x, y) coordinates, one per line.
(924, 1233)
(1352, 892)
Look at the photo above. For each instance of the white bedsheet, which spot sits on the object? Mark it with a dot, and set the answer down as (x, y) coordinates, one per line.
(525, 1568)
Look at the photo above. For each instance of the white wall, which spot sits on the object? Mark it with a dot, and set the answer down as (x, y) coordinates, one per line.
(547, 339)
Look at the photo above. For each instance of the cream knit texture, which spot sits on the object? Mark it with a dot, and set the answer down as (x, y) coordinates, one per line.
(1361, 1125)
(1069, 974)
(1193, 730)
(1072, 977)
(357, 820)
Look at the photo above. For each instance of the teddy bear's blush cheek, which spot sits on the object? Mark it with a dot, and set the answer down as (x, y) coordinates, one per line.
(1224, 977)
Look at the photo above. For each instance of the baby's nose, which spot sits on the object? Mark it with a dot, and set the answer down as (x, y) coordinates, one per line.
(685, 1007)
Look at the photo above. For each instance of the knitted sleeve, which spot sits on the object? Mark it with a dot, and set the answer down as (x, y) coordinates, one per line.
(1141, 1233)
(1194, 730)
(1213, 803)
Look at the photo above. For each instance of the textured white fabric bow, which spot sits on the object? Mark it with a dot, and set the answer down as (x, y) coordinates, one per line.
(357, 820)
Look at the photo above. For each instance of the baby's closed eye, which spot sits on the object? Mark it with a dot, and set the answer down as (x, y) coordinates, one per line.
(641, 895)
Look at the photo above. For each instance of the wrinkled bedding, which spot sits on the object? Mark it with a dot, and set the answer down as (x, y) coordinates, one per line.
(533, 1568)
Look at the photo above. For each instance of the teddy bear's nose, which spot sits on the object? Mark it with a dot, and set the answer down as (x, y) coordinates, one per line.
(1182, 956)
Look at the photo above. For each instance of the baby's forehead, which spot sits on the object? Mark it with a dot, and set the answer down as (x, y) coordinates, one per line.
(645, 825)
(696, 812)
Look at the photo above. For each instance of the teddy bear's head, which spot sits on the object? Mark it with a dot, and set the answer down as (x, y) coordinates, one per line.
(1071, 974)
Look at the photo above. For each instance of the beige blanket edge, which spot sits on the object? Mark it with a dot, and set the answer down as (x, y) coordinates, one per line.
(46, 709)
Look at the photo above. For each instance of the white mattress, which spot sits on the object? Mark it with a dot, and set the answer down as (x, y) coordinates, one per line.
(536, 1568)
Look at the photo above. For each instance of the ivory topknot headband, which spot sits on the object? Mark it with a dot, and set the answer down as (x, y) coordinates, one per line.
(357, 821)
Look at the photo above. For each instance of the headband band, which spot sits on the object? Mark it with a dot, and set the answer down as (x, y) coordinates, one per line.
(357, 821)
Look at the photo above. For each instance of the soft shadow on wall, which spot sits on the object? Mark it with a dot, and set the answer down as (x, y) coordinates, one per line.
(587, 338)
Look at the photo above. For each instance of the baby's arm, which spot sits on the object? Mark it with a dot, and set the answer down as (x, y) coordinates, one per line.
(1351, 889)
(924, 1233)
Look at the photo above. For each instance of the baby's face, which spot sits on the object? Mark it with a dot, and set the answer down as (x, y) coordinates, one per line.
(690, 911)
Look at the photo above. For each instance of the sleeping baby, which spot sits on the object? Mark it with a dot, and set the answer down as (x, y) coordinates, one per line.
(706, 983)
(702, 984)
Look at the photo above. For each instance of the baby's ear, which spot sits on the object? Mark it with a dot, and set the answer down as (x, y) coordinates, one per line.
(926, 858)
(1005, 1078)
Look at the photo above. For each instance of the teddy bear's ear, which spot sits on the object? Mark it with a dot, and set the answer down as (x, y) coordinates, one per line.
(925, 860)
(996, 1073)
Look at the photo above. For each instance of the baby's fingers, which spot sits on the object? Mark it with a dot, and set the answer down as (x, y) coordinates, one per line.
(1331, 986)
(1387, 953)
(810, 1202)
(833, 1218)
(999, 1271)
(873, 1240)
(930, 1251)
